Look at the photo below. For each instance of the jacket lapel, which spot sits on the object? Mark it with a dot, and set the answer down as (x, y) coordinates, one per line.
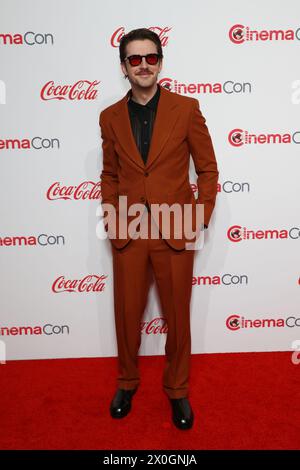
(166, 116)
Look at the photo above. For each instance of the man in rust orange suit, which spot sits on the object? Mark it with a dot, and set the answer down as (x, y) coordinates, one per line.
(147, 139)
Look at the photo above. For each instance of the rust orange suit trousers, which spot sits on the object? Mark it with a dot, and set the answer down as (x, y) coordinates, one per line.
(133, 266)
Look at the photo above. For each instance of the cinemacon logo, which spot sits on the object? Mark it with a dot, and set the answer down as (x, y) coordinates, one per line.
(237, 233)
(237, 322)
(240, 33)
(31, 143)
(162, 33)
(43, 239)
(30, 38)
(234, 187)
(239, 137)
(47, 329)
(227, 87)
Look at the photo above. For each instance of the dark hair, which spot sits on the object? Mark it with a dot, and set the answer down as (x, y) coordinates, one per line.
(141, 33)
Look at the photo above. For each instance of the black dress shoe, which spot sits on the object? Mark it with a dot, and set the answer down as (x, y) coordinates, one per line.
(183, 416)
(121, 403)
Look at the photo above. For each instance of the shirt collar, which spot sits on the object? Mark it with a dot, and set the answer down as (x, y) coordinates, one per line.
(152, 104)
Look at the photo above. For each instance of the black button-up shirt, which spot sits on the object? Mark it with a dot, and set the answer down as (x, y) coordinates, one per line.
(142, 117)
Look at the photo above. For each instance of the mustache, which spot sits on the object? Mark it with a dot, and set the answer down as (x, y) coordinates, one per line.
(142, 72)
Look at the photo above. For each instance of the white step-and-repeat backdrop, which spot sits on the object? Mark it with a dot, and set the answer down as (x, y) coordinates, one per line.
(59, 67)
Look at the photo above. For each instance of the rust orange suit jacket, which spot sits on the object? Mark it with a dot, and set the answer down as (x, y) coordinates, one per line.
(179, 132)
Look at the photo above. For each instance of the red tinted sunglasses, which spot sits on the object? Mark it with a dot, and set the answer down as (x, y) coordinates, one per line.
(135, 60)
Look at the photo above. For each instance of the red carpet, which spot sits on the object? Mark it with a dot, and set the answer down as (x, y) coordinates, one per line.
(240, 401)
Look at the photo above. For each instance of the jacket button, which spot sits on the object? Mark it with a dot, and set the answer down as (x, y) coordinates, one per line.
(143, 199)
(146, 173)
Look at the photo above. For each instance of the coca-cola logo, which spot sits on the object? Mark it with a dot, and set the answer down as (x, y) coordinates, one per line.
(90, 283)
(85, 190)
(81, 90)
(155, 326)
(161, 32)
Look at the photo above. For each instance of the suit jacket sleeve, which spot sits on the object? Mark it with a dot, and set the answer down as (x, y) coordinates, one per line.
(109, 174)
(203, 155)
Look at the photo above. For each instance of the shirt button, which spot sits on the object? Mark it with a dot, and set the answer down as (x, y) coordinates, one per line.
(145, 122)
(145, 143)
